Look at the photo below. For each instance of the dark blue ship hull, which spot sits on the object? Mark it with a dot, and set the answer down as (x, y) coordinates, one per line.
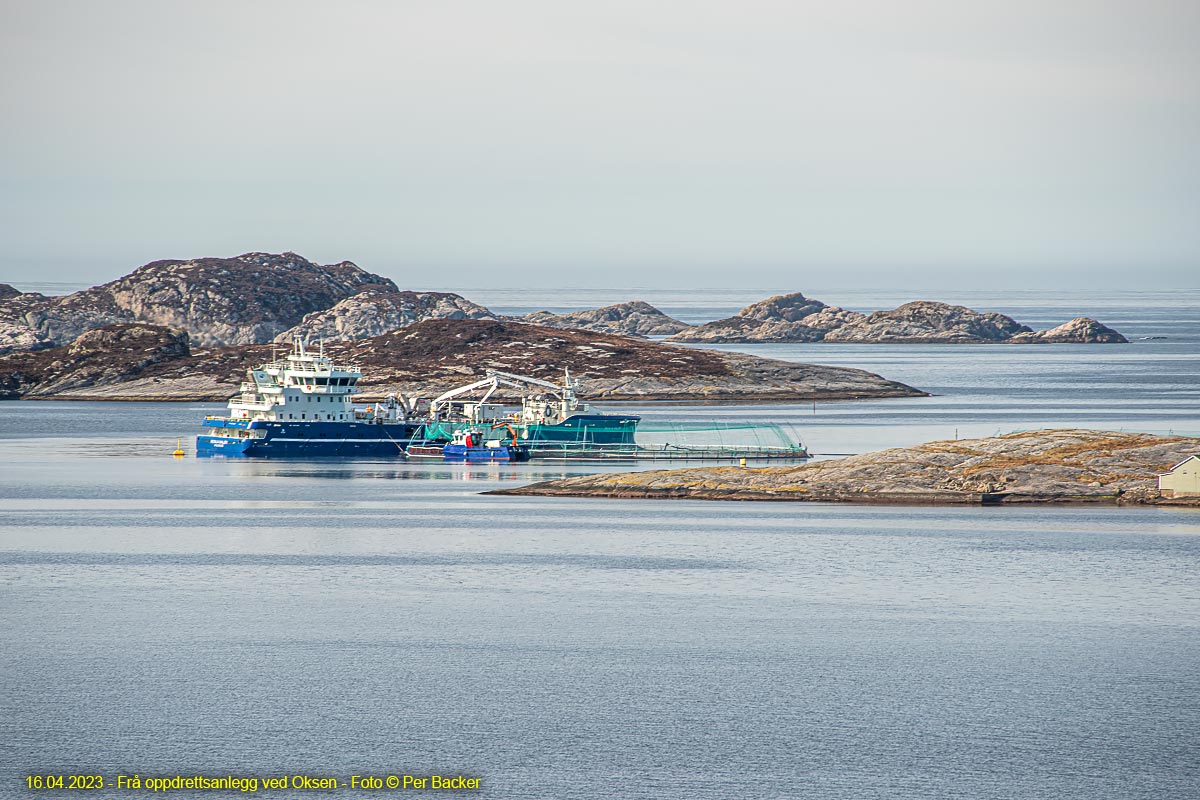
(460, 452)
(263, 439)
(305, 439)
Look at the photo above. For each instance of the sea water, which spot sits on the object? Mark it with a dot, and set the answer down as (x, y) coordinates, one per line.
(169, 616)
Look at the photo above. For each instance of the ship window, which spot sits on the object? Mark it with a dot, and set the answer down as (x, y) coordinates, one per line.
(301, 416)
(322, 381)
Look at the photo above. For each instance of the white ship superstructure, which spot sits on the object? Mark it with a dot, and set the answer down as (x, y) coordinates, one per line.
(299, 387)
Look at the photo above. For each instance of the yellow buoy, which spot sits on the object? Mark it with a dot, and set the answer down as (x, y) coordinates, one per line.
(179, 449)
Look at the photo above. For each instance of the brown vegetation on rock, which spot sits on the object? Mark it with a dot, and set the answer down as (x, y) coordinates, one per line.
(432, 356)
(1035, 466)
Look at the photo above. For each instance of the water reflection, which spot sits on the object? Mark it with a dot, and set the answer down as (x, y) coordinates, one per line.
(349, 470)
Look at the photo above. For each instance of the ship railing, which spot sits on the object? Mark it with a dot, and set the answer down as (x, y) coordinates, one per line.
(328, 366)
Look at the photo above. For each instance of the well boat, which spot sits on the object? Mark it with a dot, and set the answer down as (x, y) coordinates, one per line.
(302, 405)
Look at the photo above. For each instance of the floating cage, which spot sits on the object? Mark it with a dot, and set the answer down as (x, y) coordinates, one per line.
(665, 440)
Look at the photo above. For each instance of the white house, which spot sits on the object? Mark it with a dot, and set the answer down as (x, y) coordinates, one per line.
(1182, 480)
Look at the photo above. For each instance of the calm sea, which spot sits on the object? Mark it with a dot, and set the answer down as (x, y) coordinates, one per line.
(165, 616)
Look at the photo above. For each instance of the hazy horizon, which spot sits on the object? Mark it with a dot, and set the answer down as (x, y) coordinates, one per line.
(923, 146)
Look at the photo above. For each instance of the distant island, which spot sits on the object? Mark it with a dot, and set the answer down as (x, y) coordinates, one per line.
(250, 299)
(1049, 466)
(256, 298)
(188, 329)
(796, 318)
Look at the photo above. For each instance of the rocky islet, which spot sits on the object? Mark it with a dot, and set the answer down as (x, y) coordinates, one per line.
(1045, 466)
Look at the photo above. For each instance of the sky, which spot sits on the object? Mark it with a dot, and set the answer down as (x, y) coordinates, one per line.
(457, 144)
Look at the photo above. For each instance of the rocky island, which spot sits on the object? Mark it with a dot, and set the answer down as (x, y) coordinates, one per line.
(259, 297)
(1050, 466)
(796, 318)
(147, 362)
(218, 301)
(635, 318)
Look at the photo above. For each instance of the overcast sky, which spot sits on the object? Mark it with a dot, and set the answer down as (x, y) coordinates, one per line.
(1023, 143)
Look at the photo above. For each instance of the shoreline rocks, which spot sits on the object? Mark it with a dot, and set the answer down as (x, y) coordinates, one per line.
(1051, 466)
(112, 354)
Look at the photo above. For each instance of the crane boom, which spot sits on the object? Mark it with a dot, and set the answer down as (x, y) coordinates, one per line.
(565, 393)
(492, 382)
(568, 386)
(460, 390)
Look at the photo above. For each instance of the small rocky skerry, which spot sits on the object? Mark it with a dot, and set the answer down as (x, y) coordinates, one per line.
(1049, 466)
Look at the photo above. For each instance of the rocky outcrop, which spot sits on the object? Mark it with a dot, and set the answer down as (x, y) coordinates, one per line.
(783, 318)
(435, 355)
(247, 299)
(33, 321)
(1027, 467)
(109, 355)
(1081, 330)
(796, 318)
(927, 322)
(7, 291)
(634, 318)
(372, 313)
